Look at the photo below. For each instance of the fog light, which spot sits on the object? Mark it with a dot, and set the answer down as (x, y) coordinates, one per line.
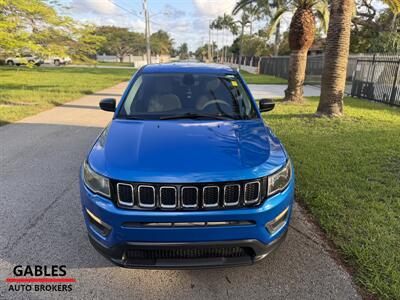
(101, 227)
(277, 223)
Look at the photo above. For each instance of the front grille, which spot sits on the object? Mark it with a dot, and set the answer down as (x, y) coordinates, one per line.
(210, 196)
(189, 196)
(251, 192)
(168, 197)
(232, 194)
(147, 197)
(125, 194)
(187, 253)
(201, 196)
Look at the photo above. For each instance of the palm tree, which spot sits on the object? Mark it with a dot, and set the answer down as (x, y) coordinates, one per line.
(336, 57)
(228, 23)
(217, 25)
(274, 9)
(301, 37)
(243, 22)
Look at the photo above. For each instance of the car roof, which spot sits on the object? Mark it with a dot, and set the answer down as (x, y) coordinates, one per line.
(188, 68)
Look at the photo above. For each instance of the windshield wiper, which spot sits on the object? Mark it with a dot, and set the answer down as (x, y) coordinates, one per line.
(196, 116)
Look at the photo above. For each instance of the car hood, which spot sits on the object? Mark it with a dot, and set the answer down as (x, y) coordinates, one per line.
(186, 151)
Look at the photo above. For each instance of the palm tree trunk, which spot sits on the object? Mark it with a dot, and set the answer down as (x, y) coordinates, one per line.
(301, 37)
(296, 75)
(336, 58)
(277, 38)
(241, 46)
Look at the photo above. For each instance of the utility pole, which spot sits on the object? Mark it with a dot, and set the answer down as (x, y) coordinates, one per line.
(147, 31)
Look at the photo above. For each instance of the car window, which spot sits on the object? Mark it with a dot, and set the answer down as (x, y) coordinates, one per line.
(158, 96)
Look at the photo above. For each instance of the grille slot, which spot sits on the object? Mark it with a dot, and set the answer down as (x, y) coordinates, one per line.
(168, 197)
(189, 196)
(210, 196)
(147, 196)
(187, 253)
(252, 192)
(125, 194)
(231, 195)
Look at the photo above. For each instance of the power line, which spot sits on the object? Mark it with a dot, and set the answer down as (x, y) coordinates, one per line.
(125, 9)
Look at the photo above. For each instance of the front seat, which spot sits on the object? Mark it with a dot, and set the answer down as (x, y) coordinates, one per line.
(163, 99)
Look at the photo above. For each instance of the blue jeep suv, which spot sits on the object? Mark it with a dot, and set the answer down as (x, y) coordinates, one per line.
(186, 174)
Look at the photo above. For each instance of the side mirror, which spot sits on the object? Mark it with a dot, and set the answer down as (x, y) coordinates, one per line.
(266, 105)
(108, 104)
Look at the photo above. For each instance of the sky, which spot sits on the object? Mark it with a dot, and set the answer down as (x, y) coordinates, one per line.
(185, 20)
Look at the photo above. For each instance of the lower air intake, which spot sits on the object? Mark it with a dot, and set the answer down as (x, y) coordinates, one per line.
(187, 253)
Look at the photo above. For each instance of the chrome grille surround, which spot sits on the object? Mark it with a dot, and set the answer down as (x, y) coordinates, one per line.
(204, 200)
(121, 202)
(225, 195)
(253, 200)
(145, 205)
(183, 200)
(162, 205)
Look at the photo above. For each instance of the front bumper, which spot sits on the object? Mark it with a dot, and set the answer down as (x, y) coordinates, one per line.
(117, 254)
(120, 238)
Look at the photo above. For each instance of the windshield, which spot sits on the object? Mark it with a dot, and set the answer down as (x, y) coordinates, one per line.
(183, 95)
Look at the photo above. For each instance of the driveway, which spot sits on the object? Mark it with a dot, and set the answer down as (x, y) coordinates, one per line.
(42, 224)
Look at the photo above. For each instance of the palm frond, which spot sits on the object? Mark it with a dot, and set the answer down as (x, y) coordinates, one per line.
(275, 20)
(322, 13)
(240, 5)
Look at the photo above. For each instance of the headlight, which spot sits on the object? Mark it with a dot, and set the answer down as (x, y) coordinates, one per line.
(97, 183)
(279, 181)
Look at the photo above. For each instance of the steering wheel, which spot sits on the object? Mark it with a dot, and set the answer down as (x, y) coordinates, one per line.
(216, 101)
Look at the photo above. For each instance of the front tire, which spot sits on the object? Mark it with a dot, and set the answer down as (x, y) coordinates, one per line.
(10, 63)
(57, 62)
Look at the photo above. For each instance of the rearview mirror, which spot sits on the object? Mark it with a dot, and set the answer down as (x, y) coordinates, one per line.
(108, 104)
(266, 105)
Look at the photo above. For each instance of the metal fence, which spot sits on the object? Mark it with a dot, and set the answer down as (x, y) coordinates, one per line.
(371, 76)
(377, 79)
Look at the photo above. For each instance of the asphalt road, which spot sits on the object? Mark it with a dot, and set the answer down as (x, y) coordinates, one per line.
(42, 224)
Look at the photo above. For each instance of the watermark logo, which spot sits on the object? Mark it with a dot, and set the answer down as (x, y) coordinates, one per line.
(39, 278)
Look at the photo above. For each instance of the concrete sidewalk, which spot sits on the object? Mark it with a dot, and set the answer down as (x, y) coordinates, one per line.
(278, 90)
(42, 224)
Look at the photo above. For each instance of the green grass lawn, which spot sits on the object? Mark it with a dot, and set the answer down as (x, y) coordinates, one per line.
(25, 92)
(116, 64)
(261, 78)
(348, 175)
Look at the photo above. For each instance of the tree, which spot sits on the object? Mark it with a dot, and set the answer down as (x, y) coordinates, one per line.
(35, 27)
(336, 58)
(120, 41)
(161, 42)
(183, 51)
(202, 52)
(375, 30)
(217, 24)
(273, 9)
(228, 24)
(301, 37)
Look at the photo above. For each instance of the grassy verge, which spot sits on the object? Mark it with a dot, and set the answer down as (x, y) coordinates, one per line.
(116, 64)
(348, 175)
(25, 92)
(261, 78)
